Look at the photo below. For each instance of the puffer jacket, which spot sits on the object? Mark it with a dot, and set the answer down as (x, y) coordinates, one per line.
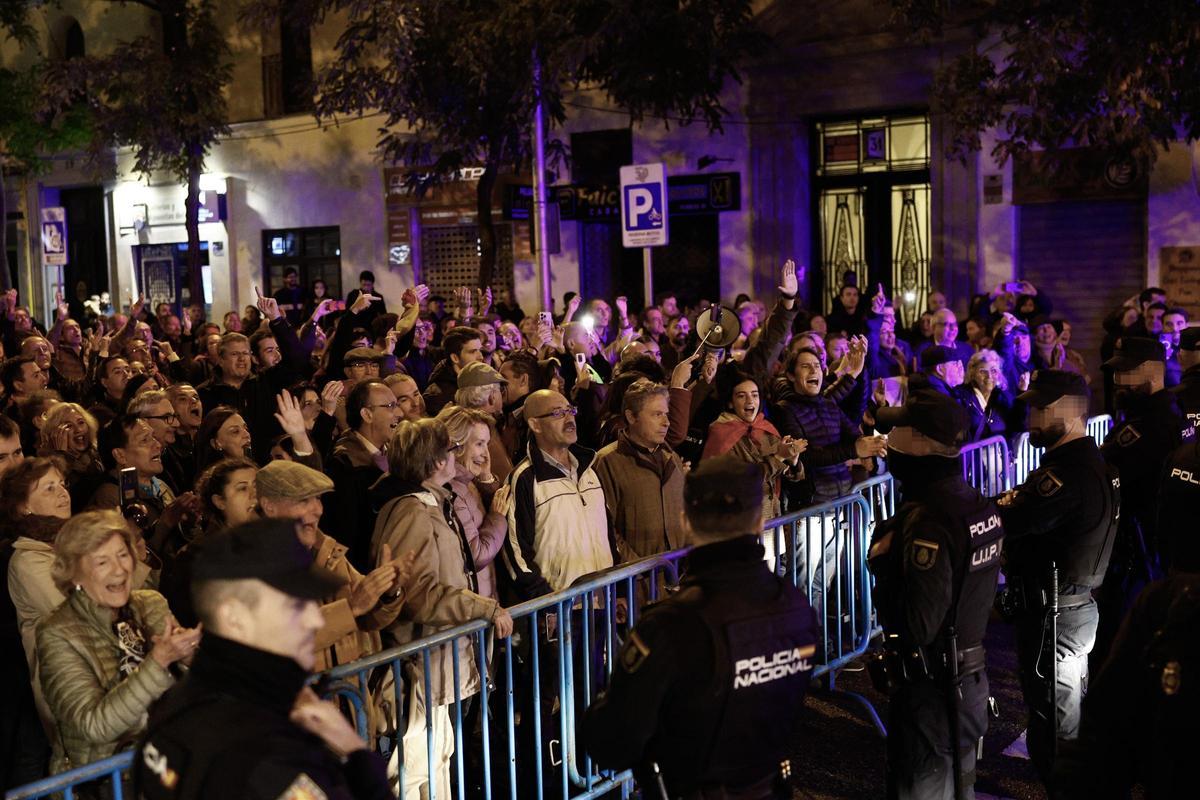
(831, 437)
(98, 712)
(485, 529)
(442, 590)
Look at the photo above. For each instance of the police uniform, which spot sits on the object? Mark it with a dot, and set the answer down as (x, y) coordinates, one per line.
(1138, 447)
(1139, 718)
(935, 563)
(709, 684)
(1065, 513)
(1187, 392)
(223, 731)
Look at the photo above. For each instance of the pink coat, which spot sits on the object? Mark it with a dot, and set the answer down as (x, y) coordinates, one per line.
(485, 529)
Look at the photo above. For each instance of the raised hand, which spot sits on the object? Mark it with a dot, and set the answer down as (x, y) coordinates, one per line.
(60, 306)
(187, 323)
(622, 304)
(683, 370)
(485, 300)
(789, 284)
(329, 396)
(362, 302)
(321, 310)
(269, 306)
(289, 415)
(572, 307)
(879, 301)
(390, 342)
(708, 372)
(135, 310)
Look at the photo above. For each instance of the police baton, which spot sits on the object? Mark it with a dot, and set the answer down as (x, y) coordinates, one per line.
(952, 710)
(1052, 613)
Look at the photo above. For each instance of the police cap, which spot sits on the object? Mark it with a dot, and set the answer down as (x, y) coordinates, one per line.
(267, 550)
(1189, 339)
(724, 486)
(1133, 351)
(1048, 385)
(936, 354)
(931, 413)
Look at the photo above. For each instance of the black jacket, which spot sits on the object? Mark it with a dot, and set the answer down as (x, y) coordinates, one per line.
(223, 731)
(831, 436)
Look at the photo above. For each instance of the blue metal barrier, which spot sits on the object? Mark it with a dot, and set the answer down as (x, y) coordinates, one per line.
(109, 769)
(531, 700)
(985, 465)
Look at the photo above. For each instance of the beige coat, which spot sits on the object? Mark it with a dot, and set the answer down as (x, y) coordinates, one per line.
(97, 711)
(438, 595)
(344, 638)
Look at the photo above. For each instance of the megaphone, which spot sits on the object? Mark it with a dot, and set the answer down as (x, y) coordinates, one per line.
(718, 327)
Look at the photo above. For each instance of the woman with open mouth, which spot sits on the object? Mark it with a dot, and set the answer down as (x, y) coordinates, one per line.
(108, 651)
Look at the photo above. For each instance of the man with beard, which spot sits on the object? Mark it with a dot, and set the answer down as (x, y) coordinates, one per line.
(357, 461)
(1065, 514)
(1149, 430)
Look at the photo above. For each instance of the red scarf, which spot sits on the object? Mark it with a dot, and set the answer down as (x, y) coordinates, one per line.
(729, 429)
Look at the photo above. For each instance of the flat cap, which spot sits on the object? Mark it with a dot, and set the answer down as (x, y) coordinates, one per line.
(267, 550)
(724, 485)
(362, 354)
(936, 354)
(288, 480)
(478, 373)
(1133, 351)
(1048, 385)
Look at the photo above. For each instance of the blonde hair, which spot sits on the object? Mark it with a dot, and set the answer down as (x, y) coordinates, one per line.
(83, 534)
(55, 417)
(459, 421)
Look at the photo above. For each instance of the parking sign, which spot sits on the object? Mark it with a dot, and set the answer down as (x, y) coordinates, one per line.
(644, 205)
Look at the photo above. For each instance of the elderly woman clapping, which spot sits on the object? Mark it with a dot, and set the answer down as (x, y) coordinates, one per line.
(987, 397)
(108, 651)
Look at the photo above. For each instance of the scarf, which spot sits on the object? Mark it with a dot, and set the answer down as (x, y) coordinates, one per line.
(729, 429)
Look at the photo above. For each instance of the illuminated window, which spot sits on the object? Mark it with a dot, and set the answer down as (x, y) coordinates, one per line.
(872, 196)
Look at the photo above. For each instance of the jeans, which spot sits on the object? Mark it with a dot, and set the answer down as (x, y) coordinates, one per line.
(1076, 636)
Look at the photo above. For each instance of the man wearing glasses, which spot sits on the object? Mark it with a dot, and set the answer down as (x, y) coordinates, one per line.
(557, 502)
(357, 461)
(156, 408)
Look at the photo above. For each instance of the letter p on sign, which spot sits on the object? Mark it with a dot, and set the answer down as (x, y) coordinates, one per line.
(643, 205)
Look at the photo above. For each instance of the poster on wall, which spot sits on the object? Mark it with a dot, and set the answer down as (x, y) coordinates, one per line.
(1179, 276)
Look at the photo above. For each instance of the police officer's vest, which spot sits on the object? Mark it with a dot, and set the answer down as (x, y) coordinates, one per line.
(764, 655)
(975, 559)
(1172, 688)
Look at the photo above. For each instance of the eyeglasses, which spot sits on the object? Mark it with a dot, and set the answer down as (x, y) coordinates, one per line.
(455, 447)
(559, 413)
(162, 417)
(389, 406)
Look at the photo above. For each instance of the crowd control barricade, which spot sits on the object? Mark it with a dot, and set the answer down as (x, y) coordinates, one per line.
(513, 731)
(985, 466)
(1026, 459)
(822, 550)
(1098, 427)
(67, 784)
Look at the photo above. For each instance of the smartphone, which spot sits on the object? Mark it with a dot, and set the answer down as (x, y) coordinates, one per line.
(129, 486)
(581, 359)
(544, 318)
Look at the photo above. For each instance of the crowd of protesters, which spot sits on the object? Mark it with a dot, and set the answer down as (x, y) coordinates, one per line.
(448, 457)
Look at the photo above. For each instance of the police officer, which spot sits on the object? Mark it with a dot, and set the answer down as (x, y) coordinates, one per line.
(242, 723)
(1139, 717)
(1187, 392)
(935, 564)
(1138, 446)
(710, 682)
(1065, 515)
(1179, 495)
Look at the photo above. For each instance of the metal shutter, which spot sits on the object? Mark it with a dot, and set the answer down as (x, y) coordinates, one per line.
(1089, 257)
